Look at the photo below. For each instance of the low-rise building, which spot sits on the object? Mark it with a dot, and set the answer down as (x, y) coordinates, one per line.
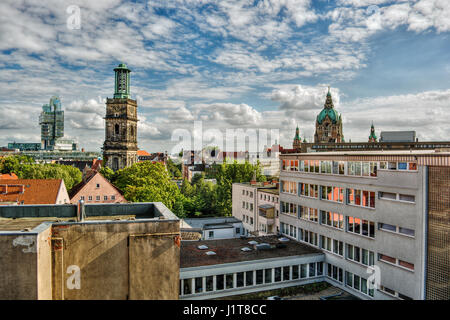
(33, 191)
(256, 204)
(94, 188)
(214, 228)
(89, 252)
(219, 268)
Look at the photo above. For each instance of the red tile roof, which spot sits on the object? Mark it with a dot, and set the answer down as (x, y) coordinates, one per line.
(35, 191)
(8, 176)
(142, 153)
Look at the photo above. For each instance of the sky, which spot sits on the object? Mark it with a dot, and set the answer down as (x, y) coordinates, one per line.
(231, 64)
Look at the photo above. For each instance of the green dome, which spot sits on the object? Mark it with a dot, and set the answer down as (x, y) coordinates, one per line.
(332, 114)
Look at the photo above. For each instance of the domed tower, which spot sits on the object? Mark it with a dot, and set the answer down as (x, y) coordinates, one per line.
(297, 140)
(120, 146)
(373, 136)
(328, 124)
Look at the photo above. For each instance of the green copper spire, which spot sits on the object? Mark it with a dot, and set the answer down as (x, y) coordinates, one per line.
(122, 81)
(328, 110)
(297, 134)
(373, 136)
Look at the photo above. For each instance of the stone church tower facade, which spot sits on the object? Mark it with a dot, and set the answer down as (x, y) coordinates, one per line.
(329, 124)
(120, 146)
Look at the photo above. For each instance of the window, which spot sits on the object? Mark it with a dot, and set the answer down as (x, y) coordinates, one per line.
(361, 198)
(405, 264)
(362, 227)
(249, 278)
(278, 274)
(97, 198)
(209, 283)
(105, 198)
(82, 198)
(98, 185)
(387, 227)
(303, 270)
(229, 281)
(332, 219)
(295, 273)
(198, 285)
(187, 286)
(260, 276)
(286, 272)
(388, 195)
(220, 282)
(238, 230)
(240, 279)
(90, 198)
(385, 258)
(267, 275)
(408, 198)
(113, 197)
(211, 234)
(405, 231)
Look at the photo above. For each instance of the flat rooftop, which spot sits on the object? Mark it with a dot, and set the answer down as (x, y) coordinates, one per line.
(370, 152)
(229, 251)
(19, 224)
(20, 217)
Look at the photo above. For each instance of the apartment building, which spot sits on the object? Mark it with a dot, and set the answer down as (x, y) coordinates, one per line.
(380, 217)
(256, 204)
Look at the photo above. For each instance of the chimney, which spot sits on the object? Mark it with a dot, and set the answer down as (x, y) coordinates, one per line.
(80, 211)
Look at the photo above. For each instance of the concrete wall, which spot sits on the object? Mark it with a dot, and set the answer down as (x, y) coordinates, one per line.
(117, 260)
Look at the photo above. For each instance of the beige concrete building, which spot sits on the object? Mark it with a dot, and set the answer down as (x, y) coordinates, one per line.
(380, 218)
(104, 251)
(256, 204)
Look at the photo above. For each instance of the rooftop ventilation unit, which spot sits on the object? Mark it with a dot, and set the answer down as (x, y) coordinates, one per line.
(210, 253)
(246, 249)
(263, 246)
(202, 247)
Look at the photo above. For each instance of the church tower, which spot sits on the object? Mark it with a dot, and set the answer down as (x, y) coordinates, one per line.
(120, 146)
(329, 124)
(297, 140)
(373, 136)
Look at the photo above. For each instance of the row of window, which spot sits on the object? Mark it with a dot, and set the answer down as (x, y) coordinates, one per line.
(353, 253)
(396, 229)
(395, 261)
(394, 293)
(289, 187)
(247, 219)
(396, 197)
(355, 197)
(354, 225)
(359, 283)
(351, 168)
(267, 197)
(247, 205)
(250, 278)
(310, 214)
(361, 227)
(97, 198)
(247, 193)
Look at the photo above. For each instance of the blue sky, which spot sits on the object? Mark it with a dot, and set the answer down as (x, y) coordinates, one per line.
(231, 64)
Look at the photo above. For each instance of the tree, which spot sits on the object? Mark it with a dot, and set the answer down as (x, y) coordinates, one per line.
(149, 182)
(174, 170)
(25, 168)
